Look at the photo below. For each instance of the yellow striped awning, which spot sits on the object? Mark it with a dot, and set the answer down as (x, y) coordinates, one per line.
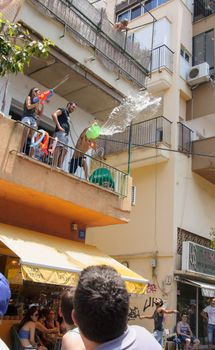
(54, 260)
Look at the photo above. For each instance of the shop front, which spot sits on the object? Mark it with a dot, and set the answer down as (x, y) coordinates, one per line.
(196, 285)
(40, 266)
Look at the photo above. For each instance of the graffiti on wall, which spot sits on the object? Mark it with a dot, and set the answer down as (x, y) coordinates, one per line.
(135, 312)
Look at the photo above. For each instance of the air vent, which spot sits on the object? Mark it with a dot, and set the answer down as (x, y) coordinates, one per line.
(133, 195)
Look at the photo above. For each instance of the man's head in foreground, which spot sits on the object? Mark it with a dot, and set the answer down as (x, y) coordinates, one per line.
(101, 304)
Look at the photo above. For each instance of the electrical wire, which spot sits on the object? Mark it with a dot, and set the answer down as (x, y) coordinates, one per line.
(188, 153)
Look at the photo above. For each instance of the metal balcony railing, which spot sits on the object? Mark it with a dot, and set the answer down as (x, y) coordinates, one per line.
(149, 132)
(98, 172)
(184, 138)
(203, 8)
(162, 57)
(91, 27)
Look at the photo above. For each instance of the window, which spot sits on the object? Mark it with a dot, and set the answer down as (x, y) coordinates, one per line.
(185, 54)
(139, 10)
(160, 2)
(136, 12)
(203, 49)
(124, 15)
(187, 57)
(150, 4)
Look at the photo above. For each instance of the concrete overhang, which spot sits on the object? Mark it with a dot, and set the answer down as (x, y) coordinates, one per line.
(81, 56)
(90, 93)
(140, 157)
(203, 161)
(160, 81)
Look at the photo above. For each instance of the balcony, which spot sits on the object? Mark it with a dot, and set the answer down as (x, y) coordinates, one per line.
(91, 28)
(184, 138)
(162, 68)
(143, 138)
(162, 57)
(203, 8)
(50, 200)
(204, 165)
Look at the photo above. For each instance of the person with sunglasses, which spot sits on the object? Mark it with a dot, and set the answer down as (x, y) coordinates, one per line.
(32, 109)
(26, 330)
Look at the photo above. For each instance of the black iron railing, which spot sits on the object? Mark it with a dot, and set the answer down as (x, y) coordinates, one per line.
(184, 138)
(162, 57)
(81, 165)
(203, 8)
(92, 28)
(149, 132)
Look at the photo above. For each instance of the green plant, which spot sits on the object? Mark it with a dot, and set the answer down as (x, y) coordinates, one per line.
(17, 48)
(212, 235)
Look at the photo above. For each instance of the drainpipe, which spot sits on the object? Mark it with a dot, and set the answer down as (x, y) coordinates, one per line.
(129, 148)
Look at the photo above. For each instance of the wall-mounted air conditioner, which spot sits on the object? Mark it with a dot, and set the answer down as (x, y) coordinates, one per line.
(133, 195)
(198, 74)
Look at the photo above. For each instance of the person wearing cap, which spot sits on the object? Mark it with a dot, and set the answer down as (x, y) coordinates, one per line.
(5, 295)
(158, 317)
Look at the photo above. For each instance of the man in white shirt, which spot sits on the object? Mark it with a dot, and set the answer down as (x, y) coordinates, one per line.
(209, 314)
(101, 304)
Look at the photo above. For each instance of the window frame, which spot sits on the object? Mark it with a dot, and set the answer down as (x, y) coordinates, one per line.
(143, 11)
(204, 35)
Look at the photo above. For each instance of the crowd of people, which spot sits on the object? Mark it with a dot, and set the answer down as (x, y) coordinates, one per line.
(58, 146)
(40, 328)
(94, 316)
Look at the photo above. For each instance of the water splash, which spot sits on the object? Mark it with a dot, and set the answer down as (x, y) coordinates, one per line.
(122, 116)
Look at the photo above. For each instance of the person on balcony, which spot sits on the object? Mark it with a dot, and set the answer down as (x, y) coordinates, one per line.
(122, 25)
(79, 159)
(61, 118)
(31, 112)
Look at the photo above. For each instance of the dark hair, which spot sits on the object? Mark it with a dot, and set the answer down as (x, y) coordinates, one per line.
(42, 313)
(71, 103)
(67, 306)
(30, 94)
(158, 301)
(27, 316)
(101, 304)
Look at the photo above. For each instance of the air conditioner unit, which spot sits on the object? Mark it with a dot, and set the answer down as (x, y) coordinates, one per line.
(198, 74)
(133, 195)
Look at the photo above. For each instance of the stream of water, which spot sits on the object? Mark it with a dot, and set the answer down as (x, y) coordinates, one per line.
(122, 115)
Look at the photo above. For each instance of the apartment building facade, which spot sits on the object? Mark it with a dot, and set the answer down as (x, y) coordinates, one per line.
(170, 164)
(44, 210)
